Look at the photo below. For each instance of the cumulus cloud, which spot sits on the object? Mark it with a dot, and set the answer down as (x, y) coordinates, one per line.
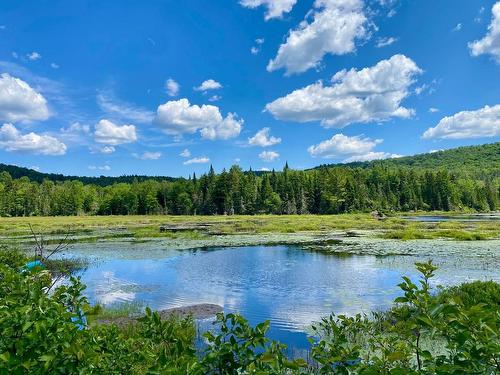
(230, 127)
(12, 139)
(20, 102)
(75, 132)
(484, 122)
(372, 156)
(342, 145)
(209, 84)
(433, 110)
(106, 149)
(275, 8)
(123, 110)
(214, 98)
(200, 160)
(179, 117)
(99, 168)
(269, 156)
(33, 56)
(355, 96)
(148, 155)
(256, 49)
(172, 87)
(356, 148)
(335, 27)
(185, 153)
(263, 139)
(490, 43)
(54, 66)
(384, 42)
(111, 134)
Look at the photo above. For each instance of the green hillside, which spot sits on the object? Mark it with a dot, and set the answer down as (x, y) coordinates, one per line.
(471, 160)
(18, 172)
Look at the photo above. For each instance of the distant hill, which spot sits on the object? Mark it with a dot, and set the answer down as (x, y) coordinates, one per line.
(18, 172)
(473, 160)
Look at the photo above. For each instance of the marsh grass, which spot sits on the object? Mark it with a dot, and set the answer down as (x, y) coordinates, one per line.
(98, 228)
(132, 309)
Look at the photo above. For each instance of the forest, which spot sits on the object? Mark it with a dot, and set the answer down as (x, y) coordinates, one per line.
(449, 185)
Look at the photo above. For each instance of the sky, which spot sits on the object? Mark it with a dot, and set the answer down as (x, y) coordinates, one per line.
(169, 88)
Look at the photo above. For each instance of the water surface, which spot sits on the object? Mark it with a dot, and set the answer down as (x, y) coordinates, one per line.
(290, 285)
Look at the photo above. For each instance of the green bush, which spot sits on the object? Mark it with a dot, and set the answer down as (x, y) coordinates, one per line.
(473, 293)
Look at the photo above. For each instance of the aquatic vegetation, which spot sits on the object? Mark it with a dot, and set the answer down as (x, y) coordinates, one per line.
(133, 228)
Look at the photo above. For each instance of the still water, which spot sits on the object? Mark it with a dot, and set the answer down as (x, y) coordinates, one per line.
(289, 285)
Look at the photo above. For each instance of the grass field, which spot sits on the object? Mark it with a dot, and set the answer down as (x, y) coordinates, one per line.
(88, 228)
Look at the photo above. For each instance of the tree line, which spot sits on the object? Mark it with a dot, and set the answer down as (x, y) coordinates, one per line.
(326, 190)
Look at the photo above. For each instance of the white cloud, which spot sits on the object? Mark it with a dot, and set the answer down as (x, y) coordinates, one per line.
(123, 110)
(33, 56)
(214, 98)
(262, 139)
(386, 41)
(35, 168)
(342, 145)
(356, 148)
(172, 87)
(179, 117)
(264, 169)
(11, 139)
(458, 27)
(209, 84)
(148, 155)
(15, 55)
(54, 66)
(256, 49)
(275, 8)
(106, 149)
(76, 132)
(200, 160)
(490, 44)
(269, 156)
(372, 156)
(335, 27)
(111, 134)
(228, 128)
(355, 96)
(484, 122)
(100, 168)
(391, 13)
(185, 153)
(19, 102)
(433, 110)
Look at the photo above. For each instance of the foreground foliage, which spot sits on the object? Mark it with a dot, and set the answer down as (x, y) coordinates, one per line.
(454, 332)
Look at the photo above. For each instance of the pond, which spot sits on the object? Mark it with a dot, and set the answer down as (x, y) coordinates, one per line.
(462, 218)
(290, 285)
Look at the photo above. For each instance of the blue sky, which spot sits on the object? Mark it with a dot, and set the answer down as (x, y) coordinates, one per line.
(168, 87)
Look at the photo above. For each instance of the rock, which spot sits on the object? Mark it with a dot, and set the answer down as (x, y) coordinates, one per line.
(378, 215)
(199, 311)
